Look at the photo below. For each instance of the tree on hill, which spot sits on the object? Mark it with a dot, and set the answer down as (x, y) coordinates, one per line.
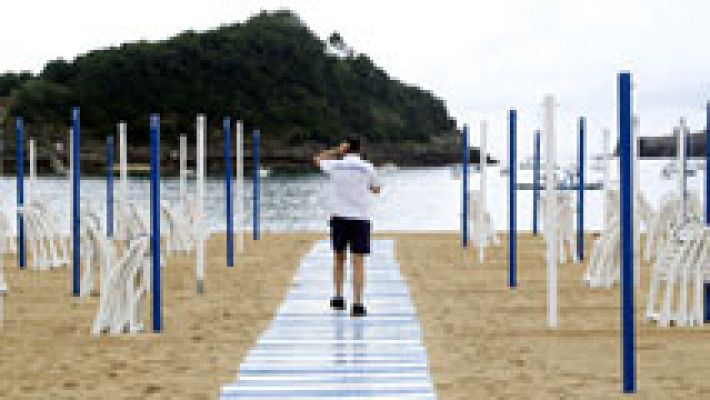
(11, 81)
(270, 71)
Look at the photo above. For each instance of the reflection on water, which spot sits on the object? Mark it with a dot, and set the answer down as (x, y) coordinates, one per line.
(411, 199)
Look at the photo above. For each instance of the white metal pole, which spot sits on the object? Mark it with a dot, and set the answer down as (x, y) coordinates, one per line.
(681, 166)
(200, 225)
(551, 208)
(606, 175)
(483, 163)
(637, 199)
(240, 212)
(183, 172)
(33, 171)
(507, 151)
(686, 138)
(123, 177)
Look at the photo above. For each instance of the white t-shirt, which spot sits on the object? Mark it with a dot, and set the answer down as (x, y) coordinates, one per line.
(351, 179)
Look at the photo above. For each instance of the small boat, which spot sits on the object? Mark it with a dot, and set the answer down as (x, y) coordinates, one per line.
(456, 170)
(566, 180)
(388, 168)
(670, 170)
(264, 172)
(561, 186)
(528, 164)
(598, 162)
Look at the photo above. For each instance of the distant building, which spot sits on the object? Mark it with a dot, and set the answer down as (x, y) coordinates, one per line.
(665, 146)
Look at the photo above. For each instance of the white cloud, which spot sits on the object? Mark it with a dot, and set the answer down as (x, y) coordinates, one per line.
(482, 57)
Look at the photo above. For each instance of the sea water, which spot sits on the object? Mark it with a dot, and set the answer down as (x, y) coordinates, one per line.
(412, 199)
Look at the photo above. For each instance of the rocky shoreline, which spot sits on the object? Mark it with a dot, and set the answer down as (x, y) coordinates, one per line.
(52, 155)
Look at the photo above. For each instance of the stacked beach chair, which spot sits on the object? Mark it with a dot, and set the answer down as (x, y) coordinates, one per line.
(681, 248)
(604, 267)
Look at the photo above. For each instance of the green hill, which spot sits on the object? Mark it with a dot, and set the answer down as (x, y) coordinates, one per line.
(271, 71)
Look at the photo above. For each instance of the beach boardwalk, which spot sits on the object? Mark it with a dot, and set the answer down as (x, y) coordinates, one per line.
(311, 352)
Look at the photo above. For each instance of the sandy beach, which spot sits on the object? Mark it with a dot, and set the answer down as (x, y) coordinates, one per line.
(488, 342)
(47, 350)
(483, 340)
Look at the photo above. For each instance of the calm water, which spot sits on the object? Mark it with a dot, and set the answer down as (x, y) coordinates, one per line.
(411, 199)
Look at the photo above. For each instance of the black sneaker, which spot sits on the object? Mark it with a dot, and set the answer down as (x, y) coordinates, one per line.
(358, 310)
(337, 303)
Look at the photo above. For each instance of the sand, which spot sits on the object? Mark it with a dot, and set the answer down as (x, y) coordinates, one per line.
(47, 350)
(486, 341)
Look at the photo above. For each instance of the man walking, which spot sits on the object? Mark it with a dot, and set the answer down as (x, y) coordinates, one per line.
(352, 181)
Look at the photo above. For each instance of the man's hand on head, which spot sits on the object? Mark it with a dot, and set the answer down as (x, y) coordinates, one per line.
(331, 154)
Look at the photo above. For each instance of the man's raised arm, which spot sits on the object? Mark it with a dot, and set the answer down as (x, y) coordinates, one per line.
(330, 154)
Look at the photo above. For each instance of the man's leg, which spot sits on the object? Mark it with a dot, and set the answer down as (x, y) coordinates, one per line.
(360, 248)
(339, 272)
(358, 277)
(339, 243)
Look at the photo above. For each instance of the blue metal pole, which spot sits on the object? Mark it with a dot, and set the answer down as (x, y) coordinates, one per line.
(536, 182)
(580, 190)
(512, 230)
(109, 186)
(255, 197)
(627, 235)
(76, 200)
(464, 187)
(155, 220)
(707, 198)
(20, 150)
(707, 164)
(226, 125)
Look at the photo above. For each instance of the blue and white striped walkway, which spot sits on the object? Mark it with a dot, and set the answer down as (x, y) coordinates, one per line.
(311, 352)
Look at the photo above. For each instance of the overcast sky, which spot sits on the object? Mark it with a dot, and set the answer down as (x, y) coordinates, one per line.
(481, 57)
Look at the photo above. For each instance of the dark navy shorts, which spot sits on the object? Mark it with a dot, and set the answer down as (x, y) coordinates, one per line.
(346, 232)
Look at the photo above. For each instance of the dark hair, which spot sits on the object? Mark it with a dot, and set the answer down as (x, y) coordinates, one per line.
(353, 144)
